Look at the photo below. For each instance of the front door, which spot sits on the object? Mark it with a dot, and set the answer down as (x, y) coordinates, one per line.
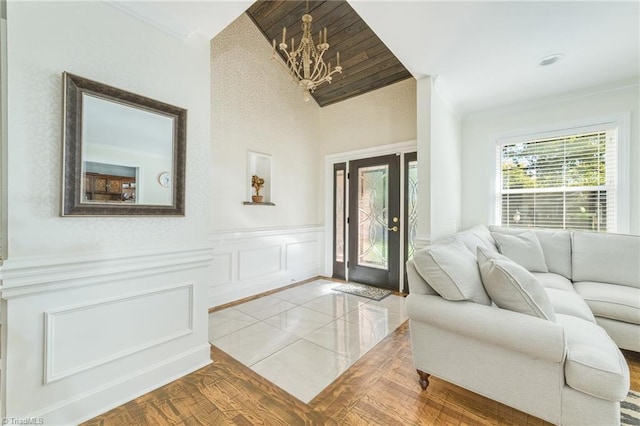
(374, 221)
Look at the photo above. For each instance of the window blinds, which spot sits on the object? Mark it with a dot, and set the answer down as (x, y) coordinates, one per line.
(566, 182)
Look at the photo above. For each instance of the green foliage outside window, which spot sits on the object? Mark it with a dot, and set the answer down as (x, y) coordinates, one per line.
(572, 161)
(556, 183)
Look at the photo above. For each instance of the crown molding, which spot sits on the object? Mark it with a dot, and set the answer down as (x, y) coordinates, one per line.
(149, 16)
(617, 86)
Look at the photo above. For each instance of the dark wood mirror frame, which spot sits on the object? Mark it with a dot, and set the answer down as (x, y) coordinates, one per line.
(73, 89)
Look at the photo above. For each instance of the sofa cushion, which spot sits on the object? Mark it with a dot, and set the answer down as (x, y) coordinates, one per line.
(512, 287)
(594, 364)
(556, 246)
(569, 303)
(551, 280)
(555, 243)
(606, 258)
(625, 334)
(471, 240)
(523, 248)
(451, 270)
(618, 302)
(484, 234)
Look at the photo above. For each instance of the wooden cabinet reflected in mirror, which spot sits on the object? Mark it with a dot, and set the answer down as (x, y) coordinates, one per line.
(106, 183)
(116, 146)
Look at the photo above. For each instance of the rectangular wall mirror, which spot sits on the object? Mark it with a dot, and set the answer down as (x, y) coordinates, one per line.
(124, 154)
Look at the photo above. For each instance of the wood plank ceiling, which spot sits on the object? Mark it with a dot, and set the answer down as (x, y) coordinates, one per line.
(367, 64)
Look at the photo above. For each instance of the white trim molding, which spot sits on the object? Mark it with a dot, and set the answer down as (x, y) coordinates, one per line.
(251, 261)
(91, 403)
(179, 327)
(30, 276)
(99, 331)
(407, 146)
(621, 121)
(546, 102)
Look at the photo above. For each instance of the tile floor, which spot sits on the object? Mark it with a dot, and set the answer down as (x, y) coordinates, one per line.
(304, 337)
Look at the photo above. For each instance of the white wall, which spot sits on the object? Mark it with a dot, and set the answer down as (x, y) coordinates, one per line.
(446, 169)
(253, 261)
(424, 90)
(440, 181)
(481, 129)
(101, 309)
(256, 106)
(381, 117)
(137, 58)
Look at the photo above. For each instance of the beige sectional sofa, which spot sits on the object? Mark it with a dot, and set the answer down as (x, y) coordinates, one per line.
(530, 318)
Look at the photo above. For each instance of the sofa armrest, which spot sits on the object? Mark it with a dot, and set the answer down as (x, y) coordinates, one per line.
(511, 330)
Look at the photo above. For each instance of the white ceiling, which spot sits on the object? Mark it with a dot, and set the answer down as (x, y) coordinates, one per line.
(484, 54)
(185, 19)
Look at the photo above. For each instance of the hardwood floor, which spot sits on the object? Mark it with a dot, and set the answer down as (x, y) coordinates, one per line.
(380, 389)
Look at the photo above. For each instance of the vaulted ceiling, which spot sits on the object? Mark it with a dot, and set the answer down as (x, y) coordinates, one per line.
(367, 63)
(484, 53)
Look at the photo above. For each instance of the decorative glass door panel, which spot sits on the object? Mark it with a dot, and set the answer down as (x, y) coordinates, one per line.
(411, 201)
(339, 219)
(410, 207)
(373, 203)
(374, 212)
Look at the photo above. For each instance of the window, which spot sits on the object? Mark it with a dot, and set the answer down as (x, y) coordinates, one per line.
(566, 181)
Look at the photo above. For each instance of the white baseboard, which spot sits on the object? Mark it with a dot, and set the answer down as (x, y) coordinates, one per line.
(250, 262)
(126, 388)
(218, 296)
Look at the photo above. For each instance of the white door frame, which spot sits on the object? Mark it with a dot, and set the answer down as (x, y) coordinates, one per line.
(400, 149)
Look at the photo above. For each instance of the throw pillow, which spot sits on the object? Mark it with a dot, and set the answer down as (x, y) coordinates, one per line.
(484, 234)
(470, 240)
(524, 249)
(451, 270)
(512, 287)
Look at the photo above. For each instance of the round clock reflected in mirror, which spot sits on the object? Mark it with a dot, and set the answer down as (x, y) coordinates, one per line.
(164, 179)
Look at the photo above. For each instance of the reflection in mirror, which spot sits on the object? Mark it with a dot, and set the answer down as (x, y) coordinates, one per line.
(124, 154)
(108, 183)
(108, 130)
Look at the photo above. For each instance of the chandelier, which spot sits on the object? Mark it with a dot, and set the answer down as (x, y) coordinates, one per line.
(305, 62)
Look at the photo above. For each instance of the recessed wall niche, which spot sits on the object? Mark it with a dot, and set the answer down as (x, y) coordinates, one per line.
(259, 165)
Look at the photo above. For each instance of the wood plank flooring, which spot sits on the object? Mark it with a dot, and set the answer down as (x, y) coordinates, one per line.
(380, 389)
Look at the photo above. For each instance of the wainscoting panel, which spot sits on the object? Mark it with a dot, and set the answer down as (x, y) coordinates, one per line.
(249, 262)
(118, 323)
(222, 265)
(302, 254)
(85, 334)
(259, 261)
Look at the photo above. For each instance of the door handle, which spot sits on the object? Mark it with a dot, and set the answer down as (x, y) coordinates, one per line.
(394, 229)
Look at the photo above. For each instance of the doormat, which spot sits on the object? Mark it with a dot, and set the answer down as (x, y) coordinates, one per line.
(630, 409)
(362, 290)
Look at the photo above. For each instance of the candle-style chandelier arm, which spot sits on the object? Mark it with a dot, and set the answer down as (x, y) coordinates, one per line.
(320, 72)
(306, 62)
(320, 67)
